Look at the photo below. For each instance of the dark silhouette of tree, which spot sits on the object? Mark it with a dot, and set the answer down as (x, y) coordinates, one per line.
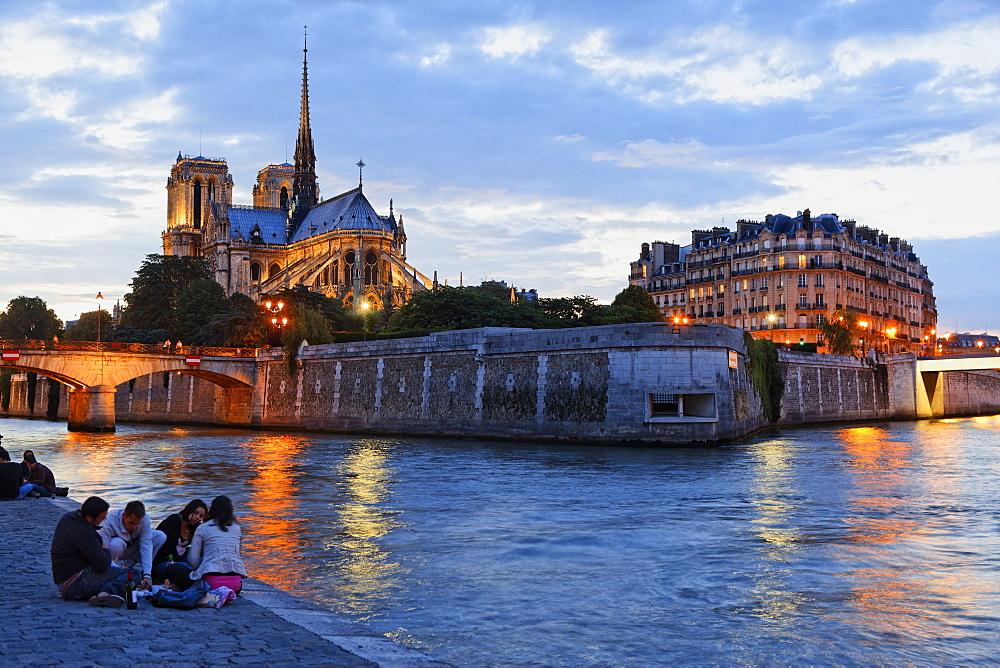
(157, 287)
(86, 328)
(29, 318)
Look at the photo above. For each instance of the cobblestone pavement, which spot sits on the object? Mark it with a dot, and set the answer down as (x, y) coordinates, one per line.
(264, 626)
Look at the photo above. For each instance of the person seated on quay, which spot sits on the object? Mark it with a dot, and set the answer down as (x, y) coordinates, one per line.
(129, 536)
(81, 567)
(40, 477)
(170, 563)
(215, 548)
(12, 485)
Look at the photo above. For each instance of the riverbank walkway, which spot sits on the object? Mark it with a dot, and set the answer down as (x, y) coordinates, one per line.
(263, 626)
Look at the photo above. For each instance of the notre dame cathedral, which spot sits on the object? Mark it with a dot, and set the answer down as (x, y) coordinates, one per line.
(339, 246)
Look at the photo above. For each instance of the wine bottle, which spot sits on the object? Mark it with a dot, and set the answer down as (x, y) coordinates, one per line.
(130, 602)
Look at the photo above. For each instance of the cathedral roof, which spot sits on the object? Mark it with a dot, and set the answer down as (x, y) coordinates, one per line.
(347, 212)
(243, 220)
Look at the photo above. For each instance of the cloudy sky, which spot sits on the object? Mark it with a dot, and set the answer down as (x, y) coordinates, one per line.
(534, 142)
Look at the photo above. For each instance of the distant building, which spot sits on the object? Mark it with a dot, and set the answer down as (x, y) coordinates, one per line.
(968, 343)
(340, 246)
(782, 278)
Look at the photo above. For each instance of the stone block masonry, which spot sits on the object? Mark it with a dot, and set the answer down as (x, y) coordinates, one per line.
(647, 384)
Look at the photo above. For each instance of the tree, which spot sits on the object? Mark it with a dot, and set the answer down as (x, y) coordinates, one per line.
(243, 325)
(337, 317)
(460, 308)
(197, 303)
(157, 285)
(633, 304)
(840, 331)
(87, 328)
(29, 318)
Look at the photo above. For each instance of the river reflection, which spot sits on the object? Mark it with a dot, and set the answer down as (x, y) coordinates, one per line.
(858, 545)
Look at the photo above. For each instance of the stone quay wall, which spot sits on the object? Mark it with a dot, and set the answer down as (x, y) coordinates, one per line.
(650, 383)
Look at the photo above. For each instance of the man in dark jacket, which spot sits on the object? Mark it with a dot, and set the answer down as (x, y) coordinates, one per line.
(11, 480)
(81, 567)
(43, 483)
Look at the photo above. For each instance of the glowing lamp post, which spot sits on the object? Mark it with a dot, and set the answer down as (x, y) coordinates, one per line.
(99, 298)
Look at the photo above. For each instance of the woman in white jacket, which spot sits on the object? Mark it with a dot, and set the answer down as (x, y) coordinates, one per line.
(215, 548)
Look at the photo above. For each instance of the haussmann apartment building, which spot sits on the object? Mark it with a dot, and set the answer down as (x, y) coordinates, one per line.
(782, 278)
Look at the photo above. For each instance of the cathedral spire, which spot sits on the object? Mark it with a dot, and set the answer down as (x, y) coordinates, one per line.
(305, 190)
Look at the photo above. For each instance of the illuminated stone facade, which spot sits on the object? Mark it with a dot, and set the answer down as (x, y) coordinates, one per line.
(782, 278)
(339, 246)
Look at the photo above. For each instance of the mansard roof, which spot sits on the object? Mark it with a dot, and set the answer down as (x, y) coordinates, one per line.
(270, 222)
(350, 211)
(782, 224)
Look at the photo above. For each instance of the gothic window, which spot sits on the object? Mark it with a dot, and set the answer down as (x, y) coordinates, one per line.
(274, 270)
(283, 198)
(348, 268)
(197, 204)
(371, 268)
(333, 272)
(254, 272)
(211, 191)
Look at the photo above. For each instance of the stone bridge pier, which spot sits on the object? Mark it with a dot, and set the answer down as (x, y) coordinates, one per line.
(92, 376)
(92, 408)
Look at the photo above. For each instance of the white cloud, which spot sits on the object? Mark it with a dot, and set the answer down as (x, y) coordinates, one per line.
(514, 41)
(966, 57)
(440, 56)
(651, 153)
(570, 139)
(721, 65)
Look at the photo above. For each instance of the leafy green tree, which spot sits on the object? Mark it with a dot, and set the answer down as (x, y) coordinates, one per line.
(29, 318)
(156, 288)
(840, 332)
(460, 308)
(198, 303)
(86, 328)
(242, 325)
(579, 311)
(337, 317)
(633, 304)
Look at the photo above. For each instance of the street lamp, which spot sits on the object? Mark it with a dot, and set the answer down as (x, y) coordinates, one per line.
(770, 320)
(99, 297)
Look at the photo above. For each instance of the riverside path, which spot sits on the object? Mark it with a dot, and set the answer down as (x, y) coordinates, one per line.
(264, 626)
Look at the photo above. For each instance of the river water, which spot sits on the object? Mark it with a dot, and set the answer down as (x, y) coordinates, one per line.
(875, 544)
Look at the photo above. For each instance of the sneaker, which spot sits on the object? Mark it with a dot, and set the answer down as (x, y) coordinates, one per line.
(106, 601)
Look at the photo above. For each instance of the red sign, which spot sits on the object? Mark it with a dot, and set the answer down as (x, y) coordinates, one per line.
(192, 360)
(11, 355)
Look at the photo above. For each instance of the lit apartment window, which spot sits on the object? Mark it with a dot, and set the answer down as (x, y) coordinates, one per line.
(709, 291)
(763, 301)
(701, 293)
(691, 294)
(745, 284)
(803, 262)
(722, 289)
(781, 262)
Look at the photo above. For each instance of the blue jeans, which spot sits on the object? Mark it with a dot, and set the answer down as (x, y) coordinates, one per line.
(29, 488)
(88, 583)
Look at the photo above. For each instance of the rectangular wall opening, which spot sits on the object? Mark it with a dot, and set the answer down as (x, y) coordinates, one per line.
(690, 407)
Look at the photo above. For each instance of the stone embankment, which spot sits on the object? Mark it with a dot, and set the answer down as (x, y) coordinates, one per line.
(264, 626)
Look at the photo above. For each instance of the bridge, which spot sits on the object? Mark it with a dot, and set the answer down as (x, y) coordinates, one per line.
(92, 370)
(929, 383)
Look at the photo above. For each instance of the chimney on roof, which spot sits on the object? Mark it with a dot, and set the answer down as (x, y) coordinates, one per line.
(644, 255)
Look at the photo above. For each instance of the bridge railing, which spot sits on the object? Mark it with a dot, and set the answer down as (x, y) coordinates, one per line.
(120, 347)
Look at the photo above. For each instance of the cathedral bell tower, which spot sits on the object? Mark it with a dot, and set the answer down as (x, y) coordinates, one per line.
(194, 184)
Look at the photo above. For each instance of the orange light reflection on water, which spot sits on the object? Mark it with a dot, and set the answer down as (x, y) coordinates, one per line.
(273, 521)
(910, 597)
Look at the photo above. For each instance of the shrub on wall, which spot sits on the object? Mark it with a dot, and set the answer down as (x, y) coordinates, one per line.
(765, 375)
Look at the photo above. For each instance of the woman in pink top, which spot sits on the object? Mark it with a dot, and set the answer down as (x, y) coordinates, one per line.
(215, 548)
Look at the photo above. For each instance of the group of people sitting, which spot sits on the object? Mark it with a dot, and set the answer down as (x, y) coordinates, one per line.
(30, 478)
(95, 549)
